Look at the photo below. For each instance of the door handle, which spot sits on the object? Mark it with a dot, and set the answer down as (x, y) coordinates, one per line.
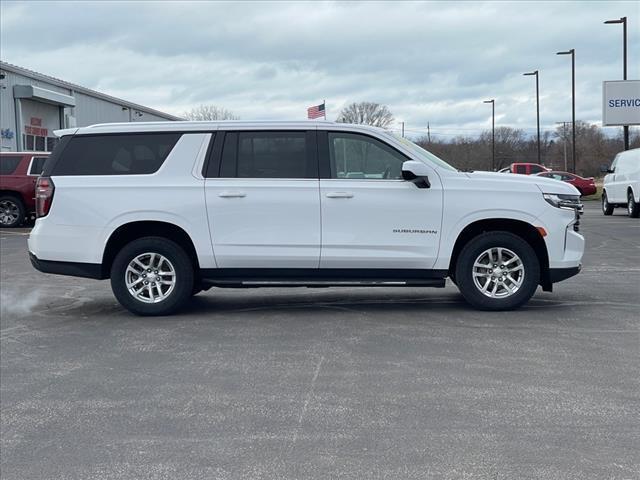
(339, 195)
(228, 194)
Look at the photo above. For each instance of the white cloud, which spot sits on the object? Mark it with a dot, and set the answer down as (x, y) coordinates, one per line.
(430, 62)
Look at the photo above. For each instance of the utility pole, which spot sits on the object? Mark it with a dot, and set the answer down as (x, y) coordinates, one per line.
(402, 129)
(428, 133)
(493, 133)
(564, 142)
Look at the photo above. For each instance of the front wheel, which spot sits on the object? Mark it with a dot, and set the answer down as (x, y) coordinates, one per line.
(607, 208)
(152, 276)
(497, 271)
(633, 208)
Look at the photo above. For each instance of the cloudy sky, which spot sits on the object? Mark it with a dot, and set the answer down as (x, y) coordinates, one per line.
(429, 62)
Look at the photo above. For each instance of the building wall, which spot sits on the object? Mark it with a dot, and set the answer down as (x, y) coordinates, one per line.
(88, 110)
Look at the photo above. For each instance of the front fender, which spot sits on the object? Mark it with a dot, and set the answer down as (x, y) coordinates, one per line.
(451, 233)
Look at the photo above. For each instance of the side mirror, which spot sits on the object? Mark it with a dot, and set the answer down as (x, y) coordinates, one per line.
(416, 172)
(605, 169)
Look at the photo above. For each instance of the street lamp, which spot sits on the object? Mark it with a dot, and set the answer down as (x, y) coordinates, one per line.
(493, 132)
(623, 21)
(537, 108)
(572, 52)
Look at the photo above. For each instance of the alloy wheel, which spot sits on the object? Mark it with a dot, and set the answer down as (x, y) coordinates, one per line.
(150, 277)
(9, 212)
(498, 272)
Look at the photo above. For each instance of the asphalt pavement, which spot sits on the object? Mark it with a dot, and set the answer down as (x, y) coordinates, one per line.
(296, 383)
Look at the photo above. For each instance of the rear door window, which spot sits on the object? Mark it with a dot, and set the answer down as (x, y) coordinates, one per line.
(285, 154)
(520, 169)
(9, 163)
(121, 154)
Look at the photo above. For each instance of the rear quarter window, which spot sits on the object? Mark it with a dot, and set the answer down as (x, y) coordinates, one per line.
(37, 165)
(9, 163)
(122, 154)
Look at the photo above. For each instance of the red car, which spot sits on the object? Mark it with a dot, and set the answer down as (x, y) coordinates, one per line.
(18, 174)
(586, 186)
(527, 168)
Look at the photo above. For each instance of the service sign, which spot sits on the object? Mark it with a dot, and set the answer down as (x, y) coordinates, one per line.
(621, 102)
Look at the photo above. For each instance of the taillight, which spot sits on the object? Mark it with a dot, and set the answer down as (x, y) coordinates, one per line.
(44, 196)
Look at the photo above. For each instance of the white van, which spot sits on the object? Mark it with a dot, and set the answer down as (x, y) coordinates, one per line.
(622, 184)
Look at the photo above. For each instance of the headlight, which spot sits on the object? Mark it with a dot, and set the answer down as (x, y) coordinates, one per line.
(568, 202)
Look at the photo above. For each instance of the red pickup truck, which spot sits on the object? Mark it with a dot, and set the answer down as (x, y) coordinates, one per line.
(524, 168)
(18, 174)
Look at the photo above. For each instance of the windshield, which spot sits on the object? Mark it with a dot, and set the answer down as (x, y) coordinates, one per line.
(423, 154)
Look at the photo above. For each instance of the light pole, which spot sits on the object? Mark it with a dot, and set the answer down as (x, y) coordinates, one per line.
(572, 52)
(537, 108)
(623, 21)
(493, 132)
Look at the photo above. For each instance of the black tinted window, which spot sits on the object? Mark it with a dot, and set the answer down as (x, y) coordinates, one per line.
(125, 154)
(359, 156)
(8, 164)
(37, 165)
(267, 155)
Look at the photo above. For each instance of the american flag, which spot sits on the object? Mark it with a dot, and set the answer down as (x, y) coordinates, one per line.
(316, 111)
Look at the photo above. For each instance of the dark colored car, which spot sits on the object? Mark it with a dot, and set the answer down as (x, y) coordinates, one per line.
(18, 174)
(586, 186)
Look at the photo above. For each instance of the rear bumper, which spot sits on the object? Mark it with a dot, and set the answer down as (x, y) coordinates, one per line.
(559, 274)
(73, 269)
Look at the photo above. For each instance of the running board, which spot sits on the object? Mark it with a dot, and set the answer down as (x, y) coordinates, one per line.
(322, 278)
(259, 283)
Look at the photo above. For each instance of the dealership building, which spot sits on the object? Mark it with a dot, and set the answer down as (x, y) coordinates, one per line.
(33, 105)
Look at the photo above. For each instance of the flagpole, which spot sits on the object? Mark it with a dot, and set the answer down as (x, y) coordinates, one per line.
(324, 102)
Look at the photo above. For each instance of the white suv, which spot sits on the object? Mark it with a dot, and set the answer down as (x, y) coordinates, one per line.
(168, 209)
(621, 185)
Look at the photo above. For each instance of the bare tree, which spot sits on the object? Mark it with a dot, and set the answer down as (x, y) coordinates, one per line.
(367, 113)
(210, 112)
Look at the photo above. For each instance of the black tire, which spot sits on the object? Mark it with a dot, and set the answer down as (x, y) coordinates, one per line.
(633, 208)
(475, 248)
(607, 208)
(197, 288)
(179, 260)
(12, 211)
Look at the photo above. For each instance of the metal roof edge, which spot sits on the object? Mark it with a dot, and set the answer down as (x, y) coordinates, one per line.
(72, 86)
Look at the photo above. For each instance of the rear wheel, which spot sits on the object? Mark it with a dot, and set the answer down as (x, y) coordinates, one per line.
(607, 208)
(633, 208)
(11, 211)
(152, 276)
(497, 271)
